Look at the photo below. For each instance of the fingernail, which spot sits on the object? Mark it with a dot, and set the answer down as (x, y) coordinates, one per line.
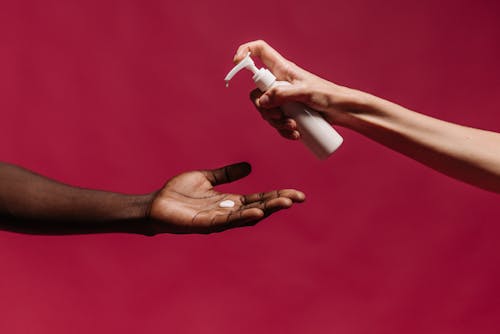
(264, 100)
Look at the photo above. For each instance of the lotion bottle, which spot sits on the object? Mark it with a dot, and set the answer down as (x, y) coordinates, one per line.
(316, 133)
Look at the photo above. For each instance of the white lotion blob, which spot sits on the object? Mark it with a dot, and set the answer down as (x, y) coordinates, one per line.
(226, 204)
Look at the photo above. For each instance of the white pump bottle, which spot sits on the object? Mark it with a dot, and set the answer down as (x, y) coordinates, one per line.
(316, 133)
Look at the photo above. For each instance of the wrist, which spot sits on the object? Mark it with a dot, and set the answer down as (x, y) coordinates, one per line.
(348, 106)
(137, 206)
(138, 213)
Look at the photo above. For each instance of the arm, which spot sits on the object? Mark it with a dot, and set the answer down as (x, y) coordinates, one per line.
(188, 203)
(464, 153)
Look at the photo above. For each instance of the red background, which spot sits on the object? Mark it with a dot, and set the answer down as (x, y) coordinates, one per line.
(122, 95)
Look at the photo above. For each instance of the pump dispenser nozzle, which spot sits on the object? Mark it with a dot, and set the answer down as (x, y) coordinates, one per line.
(247, 63)
(262, 77)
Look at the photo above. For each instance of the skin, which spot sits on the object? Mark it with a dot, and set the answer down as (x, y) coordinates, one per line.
(188, 203)
(464, 153)
(191, 204)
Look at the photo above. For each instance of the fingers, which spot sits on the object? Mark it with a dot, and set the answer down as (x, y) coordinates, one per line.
(283, 124)
(255, 95)
(267, 114)
(292, 135)
(279, 95)
(269, 56)
(287, 127)
(247, 215)
(295, 196)
(258, 206)
(236, 218)
(228, 173)
(209, 222)
(271, 206)
(254, 208)
(279, 65)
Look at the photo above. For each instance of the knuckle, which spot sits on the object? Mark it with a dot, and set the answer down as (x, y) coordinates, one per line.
(261, 42)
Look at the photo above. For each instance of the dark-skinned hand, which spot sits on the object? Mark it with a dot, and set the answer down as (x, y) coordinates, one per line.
(188, 203)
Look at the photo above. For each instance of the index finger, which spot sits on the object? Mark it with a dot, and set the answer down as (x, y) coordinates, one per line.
(269, 56)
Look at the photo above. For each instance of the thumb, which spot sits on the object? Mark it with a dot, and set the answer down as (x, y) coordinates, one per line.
(279, 95)
(228, 173)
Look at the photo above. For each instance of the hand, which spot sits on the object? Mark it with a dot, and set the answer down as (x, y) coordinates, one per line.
(328, 98)
(188, 202)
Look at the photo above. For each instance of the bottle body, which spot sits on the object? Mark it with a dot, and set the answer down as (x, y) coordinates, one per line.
(316, 133)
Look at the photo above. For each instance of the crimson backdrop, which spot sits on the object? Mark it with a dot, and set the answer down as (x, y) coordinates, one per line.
(122, 95)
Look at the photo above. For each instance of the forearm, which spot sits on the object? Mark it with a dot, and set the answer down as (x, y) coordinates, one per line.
(35, 204)
(467, 154)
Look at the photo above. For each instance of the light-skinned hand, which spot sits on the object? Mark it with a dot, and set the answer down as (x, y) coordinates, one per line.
(324, 96)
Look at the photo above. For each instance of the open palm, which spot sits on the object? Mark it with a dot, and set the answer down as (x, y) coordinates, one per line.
(188, 203)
